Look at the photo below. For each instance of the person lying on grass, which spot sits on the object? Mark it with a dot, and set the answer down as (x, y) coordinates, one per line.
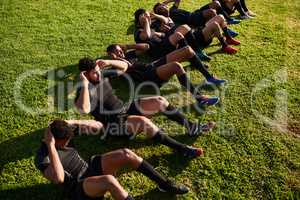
(229, 6)
(159, 42)
(204, 32)
(95, 96)
(197, 18)
(60, 163)
(160, 71)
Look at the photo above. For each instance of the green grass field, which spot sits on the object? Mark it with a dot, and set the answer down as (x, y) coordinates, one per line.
(247, 156)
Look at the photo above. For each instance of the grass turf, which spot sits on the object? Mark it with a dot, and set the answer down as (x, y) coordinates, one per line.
(245, 157)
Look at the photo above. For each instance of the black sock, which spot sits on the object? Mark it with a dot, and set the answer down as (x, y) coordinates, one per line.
(129, 197)
(168, 141)
(240, 8)
(148, 170)
(243, 4)
(224, 13)
(225, 30)
(175, 115)
(223, 42)
(196, 62)
(191, 40)
(185, 82)
(182, 43)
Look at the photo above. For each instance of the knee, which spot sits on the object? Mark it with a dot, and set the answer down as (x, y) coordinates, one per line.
(216, 5)
(162, 101)
(128, 155)
(211, 13)
(186, 27)
(143, 121)
(221, 18)
(189, 51)
(178, 68)
(110, 181)
(96, 126)
(178, 35)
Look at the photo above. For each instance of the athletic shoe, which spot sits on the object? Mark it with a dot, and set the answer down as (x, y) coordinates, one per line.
(192, 152)
(245, 17)
(230, 50)
(232, 33)
(233, 21)
(171, 187)
(197, 129)
(232, 41)
(203, 56)
(250, 13)
(208, 101)
(215, 81)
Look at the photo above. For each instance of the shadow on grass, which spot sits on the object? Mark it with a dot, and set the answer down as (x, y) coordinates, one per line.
(19, 148)
(40, 191)
(155, 194)
(26, 146)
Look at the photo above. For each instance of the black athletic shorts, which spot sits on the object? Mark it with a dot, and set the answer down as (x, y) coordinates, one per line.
(94, 169)
(151, 71)
(161, 49)
(116, 124)
(197, 19)
(201, 39)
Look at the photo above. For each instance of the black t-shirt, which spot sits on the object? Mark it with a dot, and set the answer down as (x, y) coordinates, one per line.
(74, 166)
(103, 101)
(154, 41)
(180, 16)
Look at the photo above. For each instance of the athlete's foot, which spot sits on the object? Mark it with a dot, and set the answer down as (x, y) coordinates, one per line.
(233, 21)
(207, 101)
(215, 81)
(197, 129)
(203, 56)
(193, 152)
(232, 33)
(250, 13)
(231, 41)
(245, 17)
(171, 187)
(230, 50)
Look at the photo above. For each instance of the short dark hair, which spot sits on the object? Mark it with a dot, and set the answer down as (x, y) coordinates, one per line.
(60, 129)
(111, 48)
(137, 15)
(86, 64)
(155, 7)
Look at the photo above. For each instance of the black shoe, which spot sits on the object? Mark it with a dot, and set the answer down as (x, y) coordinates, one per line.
(173, 188)
(193, 152)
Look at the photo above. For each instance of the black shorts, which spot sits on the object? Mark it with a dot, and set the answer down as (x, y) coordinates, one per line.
(94, 169)
(201, 39)
(197, 19)
(151, 71)
(116, 124)
(161, 49)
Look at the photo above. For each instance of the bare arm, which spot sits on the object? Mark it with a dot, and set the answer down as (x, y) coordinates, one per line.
(55, 171)
(138, 47)
(162, 19)
(146, 32)
(83, 102)
(116, 64)
(86, 127)
(176, 2)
